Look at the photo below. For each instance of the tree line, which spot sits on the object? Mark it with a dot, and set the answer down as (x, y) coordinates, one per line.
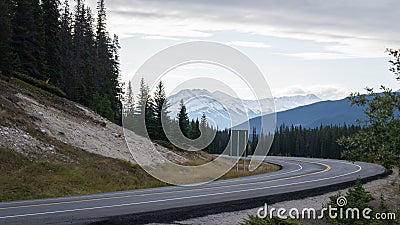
(319, 142)
(69, 48)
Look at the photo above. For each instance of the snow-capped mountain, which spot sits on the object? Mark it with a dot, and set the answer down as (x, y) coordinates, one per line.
(223, 110)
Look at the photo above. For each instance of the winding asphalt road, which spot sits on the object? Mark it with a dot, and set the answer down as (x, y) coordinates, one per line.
(298, 175)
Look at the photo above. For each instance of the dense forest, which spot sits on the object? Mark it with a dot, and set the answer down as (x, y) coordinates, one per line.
(292, 140)
(62, 49)
(320, 142)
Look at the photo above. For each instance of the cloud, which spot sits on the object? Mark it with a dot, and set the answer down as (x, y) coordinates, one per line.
(326, 92)
(248, 44)
(358, 28)
(318, 55)
(160, 38)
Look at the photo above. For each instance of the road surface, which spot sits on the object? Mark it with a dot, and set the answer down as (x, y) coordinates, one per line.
(298, 177)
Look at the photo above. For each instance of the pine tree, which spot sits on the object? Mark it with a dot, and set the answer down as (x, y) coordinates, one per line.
(203, 123)
(129, 101)
(6, 55)
(74, 90)
(51, 23)
(129, 108)
(254, 140)
(27, 38)
(107, 63)
(66, 48)
(183, 119)
(101, 19)
(142, 98)
(40, 45)
(103, 53)
(194, 129)
(144, 110)
(116, 86)
(160, 110)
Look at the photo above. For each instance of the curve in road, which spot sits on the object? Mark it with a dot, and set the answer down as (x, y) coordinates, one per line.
(298, 177)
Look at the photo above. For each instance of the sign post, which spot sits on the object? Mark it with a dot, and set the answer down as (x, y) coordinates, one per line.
(239, 143)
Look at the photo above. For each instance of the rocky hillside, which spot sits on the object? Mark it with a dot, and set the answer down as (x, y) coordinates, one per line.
(32, 118)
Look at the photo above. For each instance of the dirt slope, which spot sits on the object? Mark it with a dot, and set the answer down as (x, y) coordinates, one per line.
(26, 111)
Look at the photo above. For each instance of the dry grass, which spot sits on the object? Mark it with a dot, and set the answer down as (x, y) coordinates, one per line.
(263, 168)
(85, 173)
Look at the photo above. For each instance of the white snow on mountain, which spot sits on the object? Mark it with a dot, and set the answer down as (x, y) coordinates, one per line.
(223, 110)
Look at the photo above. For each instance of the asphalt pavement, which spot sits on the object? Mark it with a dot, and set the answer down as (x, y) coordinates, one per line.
(298, 178)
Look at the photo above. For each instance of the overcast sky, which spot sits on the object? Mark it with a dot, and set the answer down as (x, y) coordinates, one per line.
(329, 48)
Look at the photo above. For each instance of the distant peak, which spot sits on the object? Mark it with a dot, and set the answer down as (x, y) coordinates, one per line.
(194, 91)
(312, 96)
(221, 93)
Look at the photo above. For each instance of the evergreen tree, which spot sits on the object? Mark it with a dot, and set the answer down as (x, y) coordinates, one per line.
(106, 71)
(356, 198)
(66, 48)
(51, 24)
(6, 55)
(129, 101)
(160, 110)
(183, 119)
(129, 108)
(144, 110)
(27, 38)
(204, 130)
(203, 123)
(142, 98)
(254, 140)
(116, 86)
(103, 53)
(40, 44)
(194, 129)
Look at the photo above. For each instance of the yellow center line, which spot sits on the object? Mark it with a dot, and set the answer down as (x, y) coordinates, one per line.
(176, 191)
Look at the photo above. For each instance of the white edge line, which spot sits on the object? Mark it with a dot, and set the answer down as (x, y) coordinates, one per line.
(140, 191)
(180, 198)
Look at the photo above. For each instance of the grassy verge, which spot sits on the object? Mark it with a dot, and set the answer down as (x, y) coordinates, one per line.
(76, 172)
(263, 168)
(85, 173)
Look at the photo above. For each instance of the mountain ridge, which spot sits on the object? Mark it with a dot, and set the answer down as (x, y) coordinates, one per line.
(221, 108)
(330, 112)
